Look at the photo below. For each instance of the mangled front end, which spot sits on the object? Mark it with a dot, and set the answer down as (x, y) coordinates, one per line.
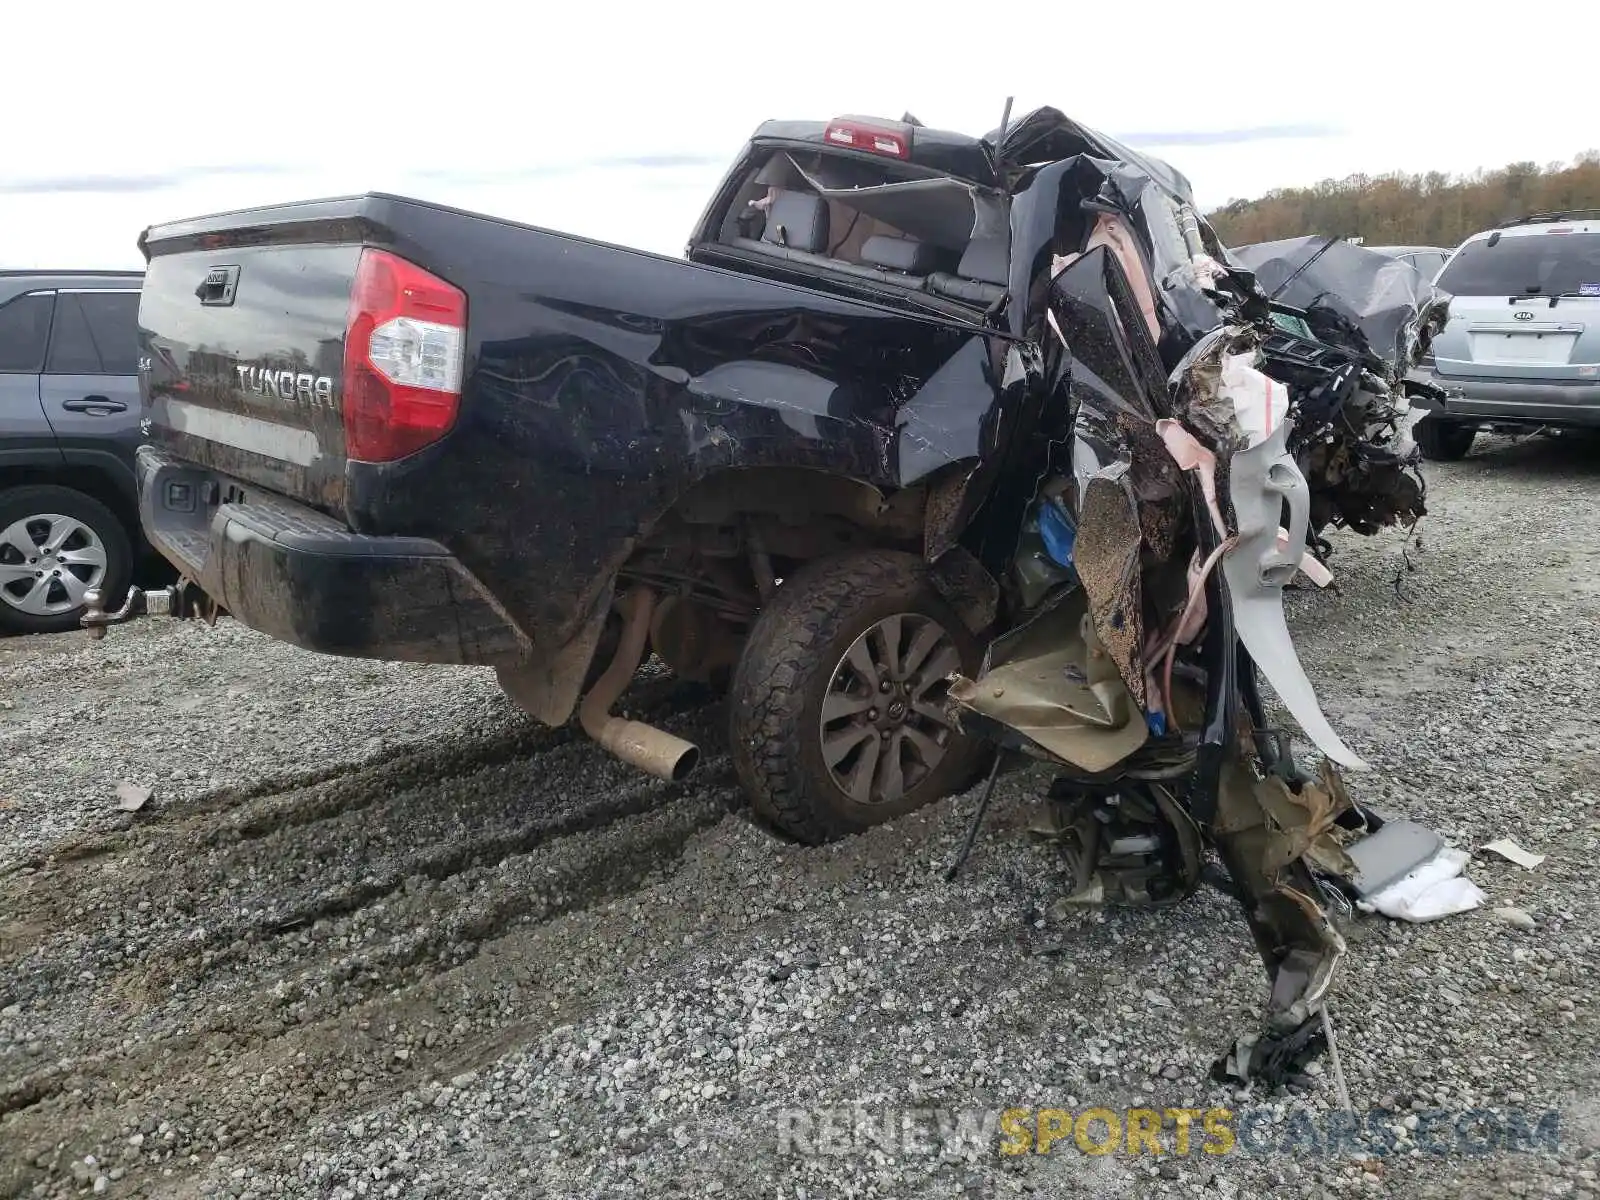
(1151, 574)
(1351, 327)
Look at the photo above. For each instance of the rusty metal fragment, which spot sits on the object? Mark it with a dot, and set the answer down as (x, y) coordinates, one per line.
(1107, 560)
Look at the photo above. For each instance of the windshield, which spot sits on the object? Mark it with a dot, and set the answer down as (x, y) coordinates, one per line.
(1535, 264)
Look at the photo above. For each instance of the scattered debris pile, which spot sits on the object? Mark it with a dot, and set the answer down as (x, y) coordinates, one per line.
(1214, 430)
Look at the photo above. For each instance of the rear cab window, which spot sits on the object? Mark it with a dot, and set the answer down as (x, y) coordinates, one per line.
(884, 227)
(1545, 263)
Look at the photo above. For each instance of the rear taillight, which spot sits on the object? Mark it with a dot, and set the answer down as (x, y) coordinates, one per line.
(404, 342)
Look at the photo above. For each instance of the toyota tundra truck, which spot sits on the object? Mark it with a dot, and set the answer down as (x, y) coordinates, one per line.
(799, 465)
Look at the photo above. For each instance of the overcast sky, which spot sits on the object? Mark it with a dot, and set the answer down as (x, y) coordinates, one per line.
(597, 120)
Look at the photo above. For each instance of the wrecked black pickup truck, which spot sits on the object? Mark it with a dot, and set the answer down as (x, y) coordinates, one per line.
(821, 464)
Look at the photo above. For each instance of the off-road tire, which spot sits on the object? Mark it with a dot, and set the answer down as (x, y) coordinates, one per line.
(1445, 441)
(784, 673)
(20, 502)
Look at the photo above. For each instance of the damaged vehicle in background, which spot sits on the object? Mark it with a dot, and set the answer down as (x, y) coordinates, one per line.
(1521, 353)
(1342, 287)
(913, 395)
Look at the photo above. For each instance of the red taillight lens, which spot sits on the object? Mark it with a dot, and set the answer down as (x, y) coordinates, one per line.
(404, 342)
(855, 134)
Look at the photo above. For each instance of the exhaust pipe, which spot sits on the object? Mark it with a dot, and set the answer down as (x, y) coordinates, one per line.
(652, 750)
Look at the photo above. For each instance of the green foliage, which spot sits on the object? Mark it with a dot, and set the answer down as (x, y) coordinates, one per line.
(1432, 209)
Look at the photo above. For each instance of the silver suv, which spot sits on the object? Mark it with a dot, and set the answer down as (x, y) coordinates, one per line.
(1522, 347)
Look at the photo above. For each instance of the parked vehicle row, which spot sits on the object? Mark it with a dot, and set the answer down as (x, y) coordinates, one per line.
(1521, 350)
(69, 425)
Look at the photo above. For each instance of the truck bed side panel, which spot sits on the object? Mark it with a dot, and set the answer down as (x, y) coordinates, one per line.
(602, 382)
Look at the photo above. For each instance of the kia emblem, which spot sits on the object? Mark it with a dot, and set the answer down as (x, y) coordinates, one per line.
(1523, 315)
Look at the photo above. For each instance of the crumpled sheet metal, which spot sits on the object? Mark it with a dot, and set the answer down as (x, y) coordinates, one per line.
(1113, 233)
(1053, 683)
(1225, 400)
(1289, 825)
(1048, 135)
(1131, 495)
(1388, 300)
(1196, 386)
(1263, 481)
(1265, 827)
(1106, 556)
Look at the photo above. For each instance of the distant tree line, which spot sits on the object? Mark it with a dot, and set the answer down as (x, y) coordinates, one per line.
(1433, 209)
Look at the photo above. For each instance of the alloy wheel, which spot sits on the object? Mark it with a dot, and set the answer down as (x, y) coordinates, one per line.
(48, 563)
(884, 725)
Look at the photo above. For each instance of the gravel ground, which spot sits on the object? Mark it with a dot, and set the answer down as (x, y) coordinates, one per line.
(376, 935)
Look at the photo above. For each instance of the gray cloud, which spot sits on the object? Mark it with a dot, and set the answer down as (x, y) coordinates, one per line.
(628, 162)
(123, 184)
(158, 181)
(1228, 137)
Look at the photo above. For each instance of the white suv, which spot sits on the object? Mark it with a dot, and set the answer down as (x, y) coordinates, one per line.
(1522, 347)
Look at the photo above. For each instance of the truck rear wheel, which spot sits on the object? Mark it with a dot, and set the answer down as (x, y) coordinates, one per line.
(836, 709)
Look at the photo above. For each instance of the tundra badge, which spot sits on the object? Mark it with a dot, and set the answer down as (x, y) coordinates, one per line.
(315, 390)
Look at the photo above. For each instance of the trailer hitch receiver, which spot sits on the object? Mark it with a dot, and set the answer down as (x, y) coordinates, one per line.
(182, 599)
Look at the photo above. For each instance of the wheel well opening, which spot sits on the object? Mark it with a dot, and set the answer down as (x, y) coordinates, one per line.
(92, 483)
(718, 556)
(728, 531)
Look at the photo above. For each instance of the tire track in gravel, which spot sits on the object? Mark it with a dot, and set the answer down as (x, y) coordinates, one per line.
(278, 803)
(236, 890)
(374, 933)
(266, 926)
(331, 1048)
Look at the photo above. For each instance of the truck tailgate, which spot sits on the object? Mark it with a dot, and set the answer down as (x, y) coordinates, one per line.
(245, 323)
